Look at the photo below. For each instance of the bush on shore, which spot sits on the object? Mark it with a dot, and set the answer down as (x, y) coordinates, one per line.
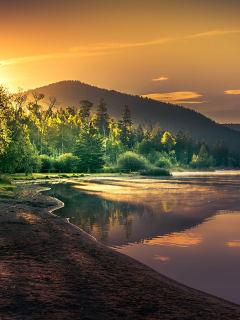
(132, 161)
(157, 172)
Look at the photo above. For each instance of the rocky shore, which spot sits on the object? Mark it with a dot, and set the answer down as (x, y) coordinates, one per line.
(50, 269)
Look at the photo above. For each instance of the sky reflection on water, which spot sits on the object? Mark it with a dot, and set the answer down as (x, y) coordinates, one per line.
(186, 228)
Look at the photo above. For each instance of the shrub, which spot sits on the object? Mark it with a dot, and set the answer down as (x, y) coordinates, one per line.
(163, 163)
(47, 162)
(155, 172)
(68, 163)
(5, 179)
(132, 161)
(201, 162)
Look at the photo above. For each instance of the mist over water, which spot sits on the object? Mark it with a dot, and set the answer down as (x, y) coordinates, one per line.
(185, 227)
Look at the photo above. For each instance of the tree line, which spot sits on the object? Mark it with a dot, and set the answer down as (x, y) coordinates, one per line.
(85, 140)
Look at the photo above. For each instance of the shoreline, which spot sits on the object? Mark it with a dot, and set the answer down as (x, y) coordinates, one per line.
(52, 269)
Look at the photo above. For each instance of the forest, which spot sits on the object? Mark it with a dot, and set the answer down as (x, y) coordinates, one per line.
(43, 138)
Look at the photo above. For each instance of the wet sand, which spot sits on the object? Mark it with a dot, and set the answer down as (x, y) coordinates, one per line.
(50, 269)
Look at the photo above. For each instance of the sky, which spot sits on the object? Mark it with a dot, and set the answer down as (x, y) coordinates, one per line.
(184, 52)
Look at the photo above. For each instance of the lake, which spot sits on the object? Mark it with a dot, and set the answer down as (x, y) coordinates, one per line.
(186, 227)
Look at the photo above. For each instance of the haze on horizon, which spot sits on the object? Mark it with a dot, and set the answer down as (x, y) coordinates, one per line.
(185, 52)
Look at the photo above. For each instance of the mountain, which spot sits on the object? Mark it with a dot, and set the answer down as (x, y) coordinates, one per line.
(170, 117)
(234, 126)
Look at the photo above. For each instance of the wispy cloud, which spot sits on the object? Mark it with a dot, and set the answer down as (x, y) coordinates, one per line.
(160, 79)
(212, 33)
(232, 91)
(103, 48)
(49, 57)
(175, 97)
(120, 45)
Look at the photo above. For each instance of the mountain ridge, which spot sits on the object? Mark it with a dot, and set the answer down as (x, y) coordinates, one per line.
(170, 117)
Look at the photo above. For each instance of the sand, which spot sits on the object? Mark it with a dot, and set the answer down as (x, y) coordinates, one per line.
(50, 269)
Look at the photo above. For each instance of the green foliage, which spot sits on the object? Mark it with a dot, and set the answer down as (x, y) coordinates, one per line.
(89, 149)
(155, 172)
(68, 163)
(101, 118)
(163, 163)
(27, 130)
(132, 161)
(114, 145)
(127, 133)
(139, 133)
(203, 160)
(48, 163)
(221, 152)
(4, 179)
(145, 147)
(19, 154)
(168, 141)
(156, 138)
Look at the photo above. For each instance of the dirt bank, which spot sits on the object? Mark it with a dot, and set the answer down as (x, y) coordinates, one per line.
(52, 270)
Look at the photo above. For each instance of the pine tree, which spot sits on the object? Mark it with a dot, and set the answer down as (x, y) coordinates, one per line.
(127, 135)
(139, 133)
(85, 110)
(89, 149)
(101, 119)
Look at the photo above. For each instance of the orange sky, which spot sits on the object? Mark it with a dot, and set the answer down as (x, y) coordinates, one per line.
(185, 52)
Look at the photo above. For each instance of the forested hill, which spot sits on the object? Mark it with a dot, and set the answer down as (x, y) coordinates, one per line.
(234, 126)
(171, 117)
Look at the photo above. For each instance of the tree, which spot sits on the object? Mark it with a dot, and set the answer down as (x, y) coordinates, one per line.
(127, 129)
(89, 149)
(156, 137)
(168, 141)
(101, 119)
(53, 103)
(20, 155)
(85, 110)
(198, 146)
(139, 133)
(220, 152)
(6, 112)
(114, 145)
(202, 160)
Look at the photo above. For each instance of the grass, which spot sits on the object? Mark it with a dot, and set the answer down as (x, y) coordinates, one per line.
(34, 176)
(6, 187)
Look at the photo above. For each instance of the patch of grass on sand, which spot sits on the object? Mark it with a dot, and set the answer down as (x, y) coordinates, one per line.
(7, 189)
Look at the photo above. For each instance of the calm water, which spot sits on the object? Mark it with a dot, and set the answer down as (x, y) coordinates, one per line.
(186, 227)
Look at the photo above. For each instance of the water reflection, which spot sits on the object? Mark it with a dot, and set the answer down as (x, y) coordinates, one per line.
(121, 211)
(186, 228)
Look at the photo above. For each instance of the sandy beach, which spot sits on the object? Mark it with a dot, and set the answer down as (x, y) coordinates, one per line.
(50, 269)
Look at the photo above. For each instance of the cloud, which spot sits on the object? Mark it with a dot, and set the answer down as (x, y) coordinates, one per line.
(174, 97)
(177, 240)
(157, 257)
(234, 244)
(160, 79)
(28, 59)
(212, 33)
(119, 45)
(101, 48)
(232, 92)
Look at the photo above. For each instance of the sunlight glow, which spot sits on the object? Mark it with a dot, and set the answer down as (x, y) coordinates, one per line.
(175, 239)
(160, 79)
(232, 91)
(174, 97)
(234, 244)
(157, 257)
